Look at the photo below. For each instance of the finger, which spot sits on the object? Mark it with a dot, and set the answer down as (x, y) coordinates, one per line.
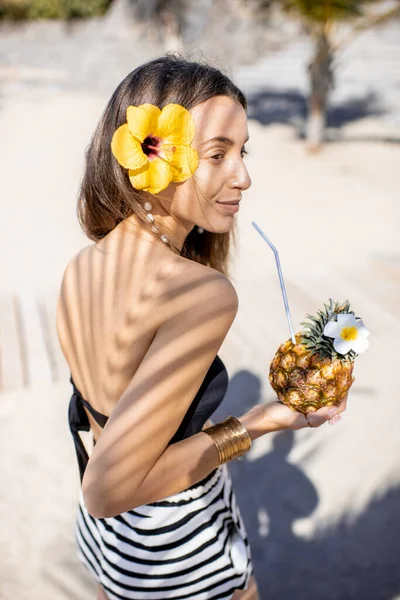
(334, 420)
(327, 413)
(315, 419)
(333, 411)
(322, 415)
(342, 406)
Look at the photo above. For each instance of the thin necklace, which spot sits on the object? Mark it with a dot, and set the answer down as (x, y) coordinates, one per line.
(164, 238)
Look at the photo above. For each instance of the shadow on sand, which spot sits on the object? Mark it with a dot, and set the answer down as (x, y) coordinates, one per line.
(289, 107)
(351, 560)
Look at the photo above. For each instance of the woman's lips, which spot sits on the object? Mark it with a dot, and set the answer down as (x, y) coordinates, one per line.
(229, 207)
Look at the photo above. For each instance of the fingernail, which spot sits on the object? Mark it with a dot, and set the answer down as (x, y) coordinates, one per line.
(334, 420)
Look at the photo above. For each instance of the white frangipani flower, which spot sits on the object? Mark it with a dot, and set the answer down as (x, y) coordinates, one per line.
(349, 333)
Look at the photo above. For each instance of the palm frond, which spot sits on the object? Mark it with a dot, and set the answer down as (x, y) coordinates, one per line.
(322, 11)
(368, 22)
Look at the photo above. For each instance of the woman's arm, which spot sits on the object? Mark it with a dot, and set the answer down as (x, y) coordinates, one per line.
(132, 463)
(189, 461)
(197, 311)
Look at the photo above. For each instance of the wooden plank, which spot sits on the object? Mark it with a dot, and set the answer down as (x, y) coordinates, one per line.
(12, 369)
(33, 341)
(47, 310)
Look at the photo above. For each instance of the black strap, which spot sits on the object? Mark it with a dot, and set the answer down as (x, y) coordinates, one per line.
(78, 421)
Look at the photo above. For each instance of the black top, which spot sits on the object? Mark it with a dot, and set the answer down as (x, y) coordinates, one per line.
(206, 401)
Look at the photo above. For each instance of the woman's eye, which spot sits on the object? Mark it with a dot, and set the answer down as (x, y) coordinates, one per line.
(221, 155)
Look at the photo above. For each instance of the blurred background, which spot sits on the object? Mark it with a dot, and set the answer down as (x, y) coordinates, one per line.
(322, 78)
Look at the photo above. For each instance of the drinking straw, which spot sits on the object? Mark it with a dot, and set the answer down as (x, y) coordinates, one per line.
(278, 265)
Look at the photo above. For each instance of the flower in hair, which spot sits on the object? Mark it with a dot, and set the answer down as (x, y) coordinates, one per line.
(154, 145)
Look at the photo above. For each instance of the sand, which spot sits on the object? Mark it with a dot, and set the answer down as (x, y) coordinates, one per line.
(334, 218)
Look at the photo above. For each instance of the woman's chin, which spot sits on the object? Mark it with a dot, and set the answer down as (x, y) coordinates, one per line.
(223, 225)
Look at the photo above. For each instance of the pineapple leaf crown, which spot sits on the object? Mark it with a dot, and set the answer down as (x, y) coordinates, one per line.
(313, 337)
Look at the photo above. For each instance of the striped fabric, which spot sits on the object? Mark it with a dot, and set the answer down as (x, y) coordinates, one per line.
(192, 545)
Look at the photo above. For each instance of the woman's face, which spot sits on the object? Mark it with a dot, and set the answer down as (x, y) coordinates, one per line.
(220, 134)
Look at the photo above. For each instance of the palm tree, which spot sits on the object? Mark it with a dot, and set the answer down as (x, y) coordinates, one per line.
(322, 20)
(168, 16)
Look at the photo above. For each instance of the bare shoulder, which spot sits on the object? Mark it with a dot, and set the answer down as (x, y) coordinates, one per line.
(68, 300)
(191, 284)
(73, 265)
(190, 271)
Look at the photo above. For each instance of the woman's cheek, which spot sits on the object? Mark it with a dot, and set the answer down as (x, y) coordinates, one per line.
(206, 175)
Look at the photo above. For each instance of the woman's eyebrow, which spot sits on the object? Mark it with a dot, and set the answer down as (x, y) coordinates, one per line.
(223, 139)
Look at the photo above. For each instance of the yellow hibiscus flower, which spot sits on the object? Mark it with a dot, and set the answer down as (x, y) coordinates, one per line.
(154, 145)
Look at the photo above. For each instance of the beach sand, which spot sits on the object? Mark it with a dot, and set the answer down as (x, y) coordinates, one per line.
(334, 218)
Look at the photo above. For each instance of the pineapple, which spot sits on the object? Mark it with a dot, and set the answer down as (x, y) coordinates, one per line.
(311, 374)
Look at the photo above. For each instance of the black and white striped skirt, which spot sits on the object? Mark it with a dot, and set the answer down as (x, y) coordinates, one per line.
(190, 545)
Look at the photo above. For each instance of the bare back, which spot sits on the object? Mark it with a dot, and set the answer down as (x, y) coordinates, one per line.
(109, 312)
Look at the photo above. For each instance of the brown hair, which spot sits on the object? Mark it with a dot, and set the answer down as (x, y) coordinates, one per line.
(106, 195)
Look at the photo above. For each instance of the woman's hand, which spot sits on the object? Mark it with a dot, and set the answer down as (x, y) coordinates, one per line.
(276, 416)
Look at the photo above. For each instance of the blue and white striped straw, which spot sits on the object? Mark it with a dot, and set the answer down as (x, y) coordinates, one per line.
(278, 264)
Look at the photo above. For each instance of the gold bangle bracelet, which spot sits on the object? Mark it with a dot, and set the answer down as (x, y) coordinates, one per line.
(231, 439)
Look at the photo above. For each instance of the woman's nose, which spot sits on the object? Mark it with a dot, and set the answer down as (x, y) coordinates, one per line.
(241, 178)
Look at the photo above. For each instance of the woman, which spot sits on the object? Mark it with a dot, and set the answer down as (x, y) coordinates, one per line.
(141, 316)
